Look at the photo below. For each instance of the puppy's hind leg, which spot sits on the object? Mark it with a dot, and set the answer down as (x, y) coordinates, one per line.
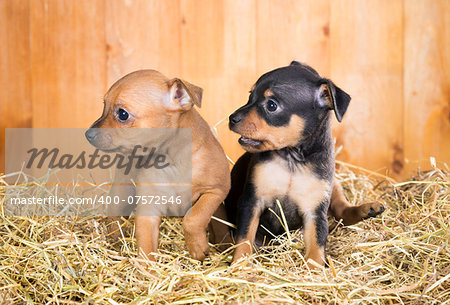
(219, 232)
(340, 208)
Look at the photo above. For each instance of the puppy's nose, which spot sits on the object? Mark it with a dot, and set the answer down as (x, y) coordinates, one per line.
(235, 118)
(91, 134)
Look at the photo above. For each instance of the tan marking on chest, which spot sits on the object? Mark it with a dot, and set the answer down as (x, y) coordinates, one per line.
(274, 180)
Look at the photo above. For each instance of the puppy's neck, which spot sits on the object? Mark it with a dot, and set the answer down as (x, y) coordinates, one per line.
(193, 120)
(319, 139)
(316, 145)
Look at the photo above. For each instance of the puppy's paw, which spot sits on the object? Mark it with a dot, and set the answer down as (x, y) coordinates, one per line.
(314, 265)
(243, 250)
(371, 209)
(197, 244)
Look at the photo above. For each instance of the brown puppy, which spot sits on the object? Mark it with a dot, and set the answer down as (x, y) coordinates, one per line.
(148, 99)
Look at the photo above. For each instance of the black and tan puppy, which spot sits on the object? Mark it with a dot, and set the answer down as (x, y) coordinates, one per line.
(286, 130)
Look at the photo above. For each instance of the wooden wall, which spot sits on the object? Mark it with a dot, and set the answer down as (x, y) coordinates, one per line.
(58, 57)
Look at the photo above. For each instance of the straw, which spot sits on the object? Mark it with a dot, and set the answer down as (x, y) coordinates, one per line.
(402, 257)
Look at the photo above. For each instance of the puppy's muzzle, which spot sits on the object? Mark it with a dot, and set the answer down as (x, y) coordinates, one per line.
(234, 119)
(91, 134)
(234, 124)
(99, 139)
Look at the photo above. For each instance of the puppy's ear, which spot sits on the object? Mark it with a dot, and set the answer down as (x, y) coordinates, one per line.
(331, 96)
(185, 94)
(295, 63)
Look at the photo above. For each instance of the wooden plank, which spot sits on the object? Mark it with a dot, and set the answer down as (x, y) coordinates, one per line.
(427, 79)
(367, 62)
(219, 54)
(202, 38)
(292, 30)
(181, 39)
(142, 35)
(78, 48)
(263, 35)
(202, 53)
(230, 91)
(15, 81)
(207, 33)
(68, 62)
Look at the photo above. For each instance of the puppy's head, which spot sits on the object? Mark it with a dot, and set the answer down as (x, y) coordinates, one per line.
(141, 99)
(285, 106)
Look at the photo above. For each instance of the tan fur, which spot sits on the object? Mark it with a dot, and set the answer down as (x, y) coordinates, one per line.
(245, 246)
(148, 238)
(274, 138)
(273, 178)
(324, 90)
(148, 95)
(340, 208)
(313, 250)
(268, 93)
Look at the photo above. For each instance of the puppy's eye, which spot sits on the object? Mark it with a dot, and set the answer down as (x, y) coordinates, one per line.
(271, 106)
(122, 115)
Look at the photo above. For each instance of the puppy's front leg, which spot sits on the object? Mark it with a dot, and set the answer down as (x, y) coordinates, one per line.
(123, 190)
(195, 225)
(248, 222)
(315, 233)
(147, 235)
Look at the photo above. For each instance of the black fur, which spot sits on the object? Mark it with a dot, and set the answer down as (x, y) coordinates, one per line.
(295, 89)
(322, 223)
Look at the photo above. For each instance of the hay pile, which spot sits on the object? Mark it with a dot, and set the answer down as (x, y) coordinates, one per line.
(402, 257)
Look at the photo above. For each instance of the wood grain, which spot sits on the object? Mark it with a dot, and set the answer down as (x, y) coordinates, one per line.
(230, 91)
(15, 68)
(427, 82)
(367, 62)
(59, 57)
(68, 62)
(142, 35)
(296, 30)
(202, 52)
